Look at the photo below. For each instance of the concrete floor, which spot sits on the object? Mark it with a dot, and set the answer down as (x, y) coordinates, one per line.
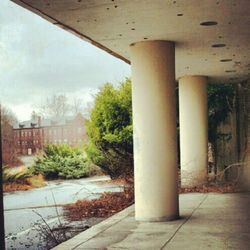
(208, 221)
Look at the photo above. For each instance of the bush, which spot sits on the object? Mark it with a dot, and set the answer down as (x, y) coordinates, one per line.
(62, 161)
(221, 98)
(19, 176)
(110, 130)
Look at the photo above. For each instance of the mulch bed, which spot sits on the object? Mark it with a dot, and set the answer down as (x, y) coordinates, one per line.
(108, 204)
(213, 188)
(112, 202)
(16, 186)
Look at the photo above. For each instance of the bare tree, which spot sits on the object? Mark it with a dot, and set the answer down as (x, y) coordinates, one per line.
(56, 106)
(8, 116)
(8, 120)
(77, 106)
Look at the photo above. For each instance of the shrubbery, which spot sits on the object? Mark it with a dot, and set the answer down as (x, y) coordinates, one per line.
(221, 98)
(62, 161)
(8, 176)
(110, 130)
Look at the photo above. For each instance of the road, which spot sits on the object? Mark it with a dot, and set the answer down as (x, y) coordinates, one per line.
(25, 211)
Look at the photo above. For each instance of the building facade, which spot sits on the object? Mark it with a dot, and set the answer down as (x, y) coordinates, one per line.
(31, 136)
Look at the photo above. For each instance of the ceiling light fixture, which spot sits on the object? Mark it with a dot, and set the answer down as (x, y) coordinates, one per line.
(208, 23)
(226, 60)
(219, 45)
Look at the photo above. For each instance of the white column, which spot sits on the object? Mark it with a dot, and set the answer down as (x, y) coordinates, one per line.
(193, 130)
(154, 123)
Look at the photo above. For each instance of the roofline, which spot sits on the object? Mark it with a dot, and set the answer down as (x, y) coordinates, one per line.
(69, 29)
(50, 126)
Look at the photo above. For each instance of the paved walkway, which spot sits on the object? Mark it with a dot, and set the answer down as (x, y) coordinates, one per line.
(208, 221)
(23, 209)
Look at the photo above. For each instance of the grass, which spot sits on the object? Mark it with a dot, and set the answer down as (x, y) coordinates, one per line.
(20, 180)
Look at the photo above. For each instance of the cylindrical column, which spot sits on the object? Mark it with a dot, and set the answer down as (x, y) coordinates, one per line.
(154, 123)
(193, 130)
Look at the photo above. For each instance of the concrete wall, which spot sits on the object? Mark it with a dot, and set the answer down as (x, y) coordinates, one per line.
(244, 134)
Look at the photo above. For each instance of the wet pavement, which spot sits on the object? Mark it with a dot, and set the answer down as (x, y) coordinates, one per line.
(27, 211)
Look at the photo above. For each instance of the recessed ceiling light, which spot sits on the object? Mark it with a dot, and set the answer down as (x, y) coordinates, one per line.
(226, 60)
(218, 45)
(208, 23)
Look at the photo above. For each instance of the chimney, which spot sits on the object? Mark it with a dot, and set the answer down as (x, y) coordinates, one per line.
(39, 121)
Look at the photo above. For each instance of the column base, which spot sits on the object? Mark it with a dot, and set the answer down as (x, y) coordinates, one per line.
(158, 219)
(190, 179)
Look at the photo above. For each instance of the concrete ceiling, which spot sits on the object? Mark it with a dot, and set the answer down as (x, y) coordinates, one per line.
(114, 24)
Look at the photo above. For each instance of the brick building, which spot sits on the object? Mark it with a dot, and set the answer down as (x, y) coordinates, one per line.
(31, 136)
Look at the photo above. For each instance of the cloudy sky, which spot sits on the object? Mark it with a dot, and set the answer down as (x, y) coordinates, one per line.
(38, 59)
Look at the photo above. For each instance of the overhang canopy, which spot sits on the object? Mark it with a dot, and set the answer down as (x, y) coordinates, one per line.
(212, 36)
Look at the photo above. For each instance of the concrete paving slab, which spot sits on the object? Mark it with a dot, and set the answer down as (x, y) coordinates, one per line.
(208, 221)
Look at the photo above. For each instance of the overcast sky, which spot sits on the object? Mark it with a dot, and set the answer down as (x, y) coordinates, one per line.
(38, 59)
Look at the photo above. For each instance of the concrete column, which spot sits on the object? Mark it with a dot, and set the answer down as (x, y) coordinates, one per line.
(154, 123)
(193, 130)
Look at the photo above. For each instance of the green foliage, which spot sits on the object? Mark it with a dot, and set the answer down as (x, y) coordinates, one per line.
(62, 161)
(110, 130)
(220, 103)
